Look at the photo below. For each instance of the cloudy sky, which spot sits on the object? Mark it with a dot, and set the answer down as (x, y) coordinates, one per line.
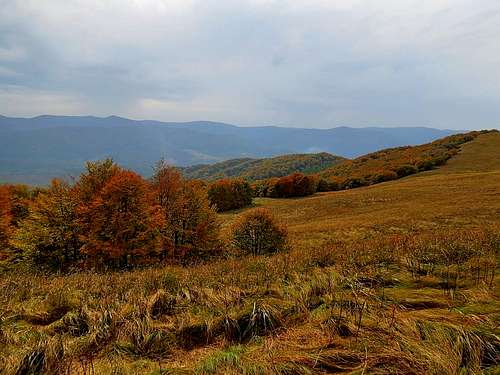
(304, 63)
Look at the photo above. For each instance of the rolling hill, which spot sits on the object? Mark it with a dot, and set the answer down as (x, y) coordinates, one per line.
(462, 193)
(257, 169)
(393, 163)
(33, 150)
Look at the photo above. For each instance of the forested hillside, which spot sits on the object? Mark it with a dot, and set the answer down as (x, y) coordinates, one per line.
(374, 168)
(257, 169)
(393, 163)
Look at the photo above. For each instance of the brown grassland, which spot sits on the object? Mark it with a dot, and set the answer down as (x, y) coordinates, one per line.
(399, 277)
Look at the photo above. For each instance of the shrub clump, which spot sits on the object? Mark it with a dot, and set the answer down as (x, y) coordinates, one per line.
(291, 186)
(230, 194)
(257, 232)
(295, 185)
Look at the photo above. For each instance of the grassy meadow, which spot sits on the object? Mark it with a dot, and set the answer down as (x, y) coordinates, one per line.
(396, 278)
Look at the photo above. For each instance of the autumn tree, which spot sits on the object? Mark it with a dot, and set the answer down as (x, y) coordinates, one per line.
(264, 188)
(125, 223)
(96, 175)
(167, 182)
(230, 194)
(197, 232)
(190, 226)
(88, 188)
(294, 185)
(257, 232)
(383, 175)
(50, 234)
(21, 198)
(405, 170)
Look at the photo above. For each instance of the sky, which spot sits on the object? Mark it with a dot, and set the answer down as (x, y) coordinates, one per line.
(302, 63)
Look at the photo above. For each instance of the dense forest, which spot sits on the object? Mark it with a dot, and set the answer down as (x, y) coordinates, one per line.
(258, 169)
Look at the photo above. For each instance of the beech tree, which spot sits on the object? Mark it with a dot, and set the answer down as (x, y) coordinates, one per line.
(230, 194)
(21, 197)
(125, 223)
(50, 234)
(294, 185)
(190, 226)
(96, 175)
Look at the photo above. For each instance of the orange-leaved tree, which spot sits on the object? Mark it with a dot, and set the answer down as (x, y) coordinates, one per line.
(96, 175)
(294, 185)
(124, 226)
(190, 227)
(229, 194)
(88, 188)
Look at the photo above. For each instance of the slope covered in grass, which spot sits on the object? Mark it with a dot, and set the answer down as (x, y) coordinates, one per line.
(433, 199)
(399, 277)
(257, 169)
(482, 155)
(393, 163)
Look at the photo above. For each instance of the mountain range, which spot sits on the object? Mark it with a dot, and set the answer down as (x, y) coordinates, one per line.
(33, 150)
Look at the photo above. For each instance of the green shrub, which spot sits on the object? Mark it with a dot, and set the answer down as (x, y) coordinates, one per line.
(406, 170)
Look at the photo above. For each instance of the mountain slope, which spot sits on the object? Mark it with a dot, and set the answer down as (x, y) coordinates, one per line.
(36, 149)
(389, 164)
(464, 193)
(256, 169)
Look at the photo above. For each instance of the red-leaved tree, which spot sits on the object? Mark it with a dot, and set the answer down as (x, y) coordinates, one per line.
(230, 194)
(125, 223)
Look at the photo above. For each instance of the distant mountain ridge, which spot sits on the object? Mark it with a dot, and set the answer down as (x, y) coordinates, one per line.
(257, 169)
(33, 150)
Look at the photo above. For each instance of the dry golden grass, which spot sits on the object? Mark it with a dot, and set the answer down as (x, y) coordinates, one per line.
(481, 155)
(464, 193)
(342, 300)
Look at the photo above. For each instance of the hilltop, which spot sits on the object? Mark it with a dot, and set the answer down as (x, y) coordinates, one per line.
(34, 150)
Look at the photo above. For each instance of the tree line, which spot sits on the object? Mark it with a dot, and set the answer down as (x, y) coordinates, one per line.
(112, 218)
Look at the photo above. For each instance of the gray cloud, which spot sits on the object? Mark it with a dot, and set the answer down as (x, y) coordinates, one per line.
(308, 63)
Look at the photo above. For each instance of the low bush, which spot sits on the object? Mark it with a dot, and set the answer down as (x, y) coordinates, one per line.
(257, 232)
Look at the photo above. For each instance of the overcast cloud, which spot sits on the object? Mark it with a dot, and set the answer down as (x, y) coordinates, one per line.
(305, 63)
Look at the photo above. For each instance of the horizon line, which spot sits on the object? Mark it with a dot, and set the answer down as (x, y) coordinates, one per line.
(238, 125)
